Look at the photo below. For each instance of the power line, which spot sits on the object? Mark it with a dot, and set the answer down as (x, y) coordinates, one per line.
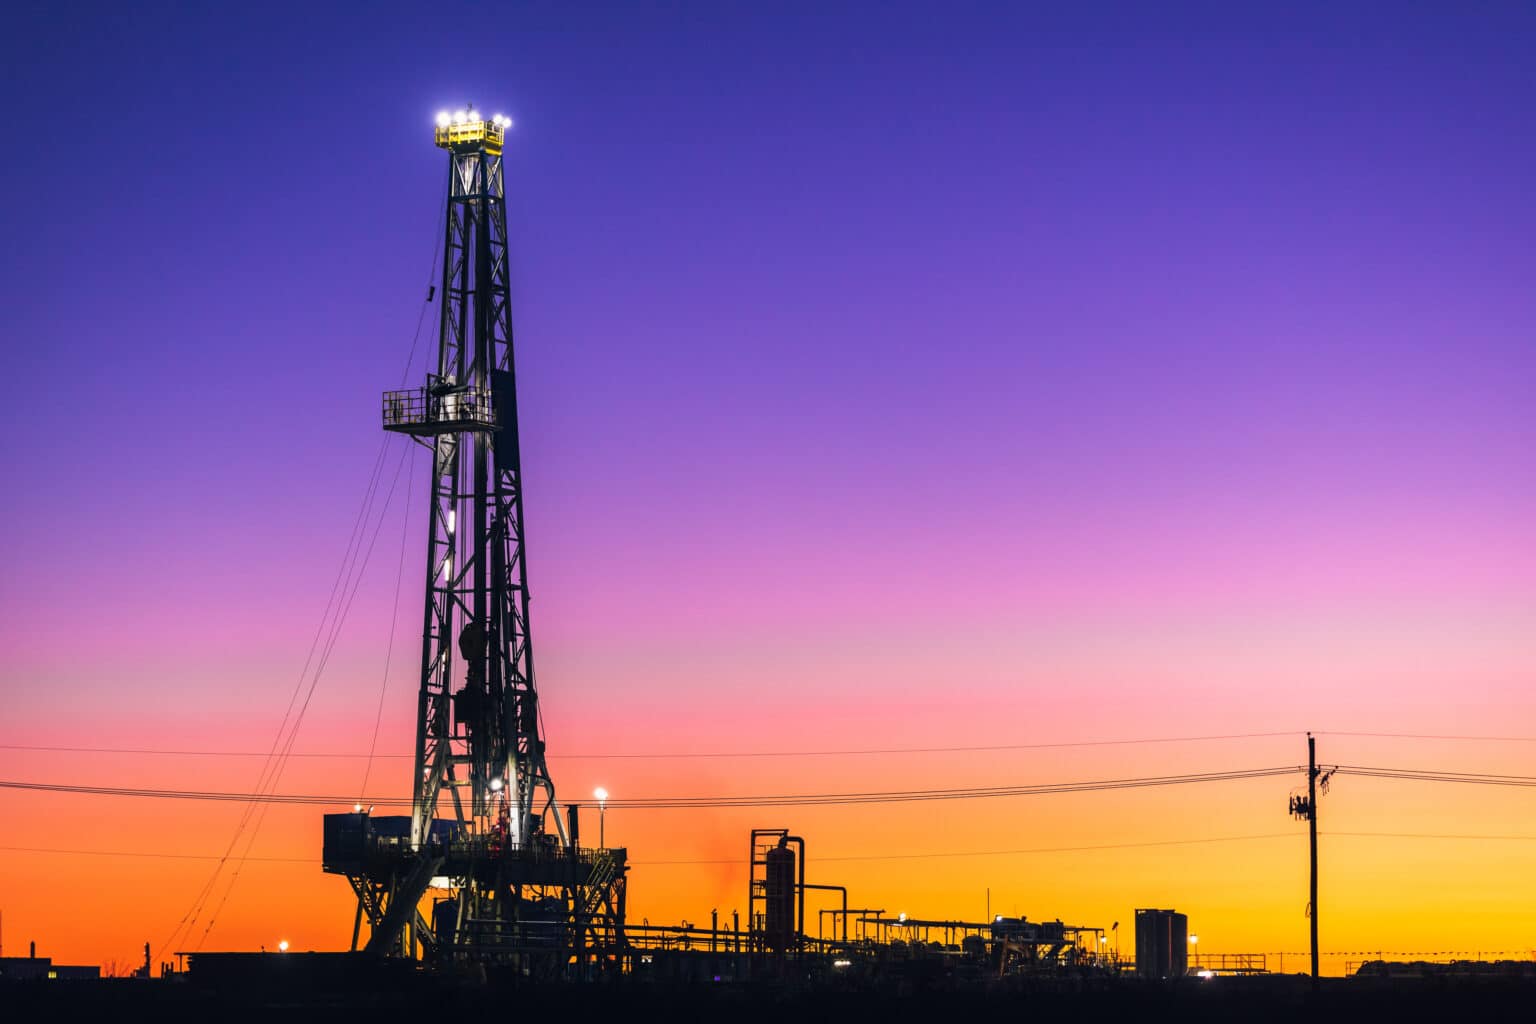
(359, 526)
(817, 799)
(690, 755)
(687, 802)
(179, 753)
(343, 590)
(967, 793)
(147, 853)
(750, 754)
(1429, 775)
(1426, 835)
(994, 853)
(1431, 736)
(1108, 846)
(355, 580)
(394, 621)
(732, 754)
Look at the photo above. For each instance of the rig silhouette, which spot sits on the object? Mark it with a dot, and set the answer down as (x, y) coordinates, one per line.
(517, 885)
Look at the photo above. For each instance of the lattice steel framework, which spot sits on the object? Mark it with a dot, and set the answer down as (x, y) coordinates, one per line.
(477, 590)
(511, 889)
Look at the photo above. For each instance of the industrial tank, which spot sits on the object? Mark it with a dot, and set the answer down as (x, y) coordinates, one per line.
(779, 892)
(1162, 944)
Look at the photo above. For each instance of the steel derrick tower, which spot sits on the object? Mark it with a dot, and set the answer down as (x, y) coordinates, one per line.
(504, 887)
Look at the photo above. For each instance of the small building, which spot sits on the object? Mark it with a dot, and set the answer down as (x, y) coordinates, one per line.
(34, 968)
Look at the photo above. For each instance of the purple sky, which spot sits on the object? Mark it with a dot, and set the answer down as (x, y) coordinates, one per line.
(824, 314)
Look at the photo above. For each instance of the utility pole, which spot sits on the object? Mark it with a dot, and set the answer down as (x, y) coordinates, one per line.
(1312, 841)
(1305, 807)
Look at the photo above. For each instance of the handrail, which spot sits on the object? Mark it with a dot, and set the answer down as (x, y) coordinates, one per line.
(420, 407)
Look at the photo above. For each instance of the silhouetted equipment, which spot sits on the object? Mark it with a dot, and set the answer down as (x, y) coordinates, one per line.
(1305, 808)
(778, 946)
(779, 897)
(505, 889)
(776, 891)
(42, 968)
(1162, 944)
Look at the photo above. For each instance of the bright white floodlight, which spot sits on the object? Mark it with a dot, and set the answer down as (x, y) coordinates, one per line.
(443, 118)
(496, 785)
(460, 116)
(600, 795)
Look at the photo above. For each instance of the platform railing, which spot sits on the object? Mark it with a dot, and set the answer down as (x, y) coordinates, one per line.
(435, 410)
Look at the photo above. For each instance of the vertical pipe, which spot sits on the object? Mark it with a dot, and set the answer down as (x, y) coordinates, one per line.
(800, 905)
(479, 381)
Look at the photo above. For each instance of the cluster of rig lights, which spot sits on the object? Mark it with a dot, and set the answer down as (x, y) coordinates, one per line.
(468, 116)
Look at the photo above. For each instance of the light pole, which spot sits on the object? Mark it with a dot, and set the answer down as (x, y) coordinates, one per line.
(601, 795)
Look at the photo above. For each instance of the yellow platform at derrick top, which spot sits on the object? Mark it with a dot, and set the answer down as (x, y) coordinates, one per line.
(472, 134)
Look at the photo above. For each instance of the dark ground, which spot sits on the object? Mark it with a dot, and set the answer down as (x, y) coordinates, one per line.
(1224, 999)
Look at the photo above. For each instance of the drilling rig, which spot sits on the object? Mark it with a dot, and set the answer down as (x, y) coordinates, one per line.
(486, 870)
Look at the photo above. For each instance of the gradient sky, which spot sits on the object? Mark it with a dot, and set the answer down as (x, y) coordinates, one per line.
(898, 376)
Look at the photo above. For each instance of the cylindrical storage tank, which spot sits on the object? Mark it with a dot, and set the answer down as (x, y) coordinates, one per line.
(1152, 944)
(1178, 945)
(779, 893)
(1162, 944)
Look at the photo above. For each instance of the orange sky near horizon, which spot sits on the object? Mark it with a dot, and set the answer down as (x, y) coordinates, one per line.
(1233, 860)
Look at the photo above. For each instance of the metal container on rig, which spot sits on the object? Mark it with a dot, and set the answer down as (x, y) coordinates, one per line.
(1162, 944)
